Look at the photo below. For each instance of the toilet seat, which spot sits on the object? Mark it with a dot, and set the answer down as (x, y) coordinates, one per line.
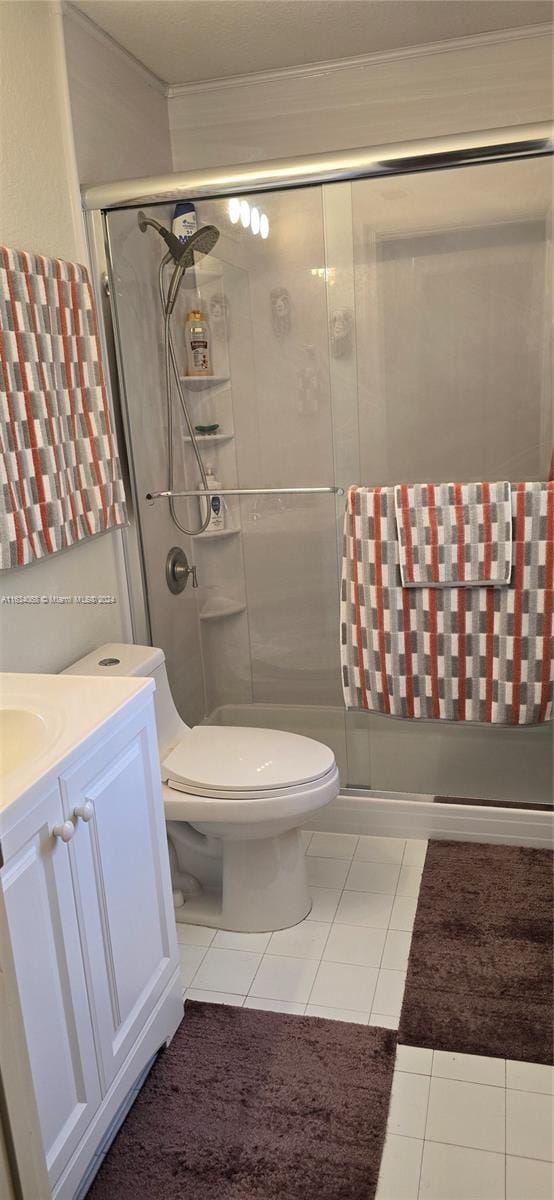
(232, 762)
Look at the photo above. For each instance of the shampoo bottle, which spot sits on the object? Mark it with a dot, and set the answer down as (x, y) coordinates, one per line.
(217, 508)
(197, 344)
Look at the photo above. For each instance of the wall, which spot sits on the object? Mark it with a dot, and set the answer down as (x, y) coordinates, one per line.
(119, 108)
(472, 83)
(39, 211)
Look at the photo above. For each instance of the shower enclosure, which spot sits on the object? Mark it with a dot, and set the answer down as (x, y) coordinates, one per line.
(395, 327)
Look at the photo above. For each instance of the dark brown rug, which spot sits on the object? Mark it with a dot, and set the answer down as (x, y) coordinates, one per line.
(480, 969)
(252, 1105)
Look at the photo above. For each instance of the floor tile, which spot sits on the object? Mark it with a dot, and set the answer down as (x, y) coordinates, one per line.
(327, 872)
(305, 940)
(466, 1114)
(408, 1104)
(529, 1077)
(400, 1168)
(397, 950)
(458, 1173)
(194, 935)
(355, 944)
(409, 881)
(226, 940)
(324, 903)
(529, 1125)
(214, 997)
(306, 835)
(283, 978)
(528, 1179)
(473, 1068)
(227, 970)
(415, 1059)
(414, 854)
(389, 992)
(190, 958)
(288, 1006)
(364, 908)
(336, 1014)
(383, 1020)
(333, 845)
(380, 849)
(403, 912)
(344, 985)
(372, 877)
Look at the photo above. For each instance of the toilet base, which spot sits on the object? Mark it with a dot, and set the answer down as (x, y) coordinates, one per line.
(264, 887)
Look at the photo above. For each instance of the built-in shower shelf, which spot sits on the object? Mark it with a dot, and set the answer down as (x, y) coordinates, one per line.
(216, 612)
(199, 382)
(206, 438)
(230, 531)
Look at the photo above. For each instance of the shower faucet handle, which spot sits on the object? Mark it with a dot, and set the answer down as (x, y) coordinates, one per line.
(177, 571)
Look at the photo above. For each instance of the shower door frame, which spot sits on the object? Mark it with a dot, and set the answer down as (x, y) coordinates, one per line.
(403, 158)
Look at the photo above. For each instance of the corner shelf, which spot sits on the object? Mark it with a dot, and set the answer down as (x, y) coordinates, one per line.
(231, 531)
(218, 612)
(199, 382)
(206, 438)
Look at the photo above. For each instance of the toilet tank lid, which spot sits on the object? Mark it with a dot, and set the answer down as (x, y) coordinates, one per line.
(117, 658)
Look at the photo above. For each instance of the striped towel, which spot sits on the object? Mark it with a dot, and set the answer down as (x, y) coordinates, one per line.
(452, 653)
(60, 477)
(454, 534)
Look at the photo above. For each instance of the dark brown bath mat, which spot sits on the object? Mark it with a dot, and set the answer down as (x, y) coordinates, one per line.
(256, 1105)
(480, 969)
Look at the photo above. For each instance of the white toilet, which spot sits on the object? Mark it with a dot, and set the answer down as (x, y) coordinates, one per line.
(235, 800)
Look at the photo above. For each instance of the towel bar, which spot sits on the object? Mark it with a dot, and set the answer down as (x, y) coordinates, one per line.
(286, 491)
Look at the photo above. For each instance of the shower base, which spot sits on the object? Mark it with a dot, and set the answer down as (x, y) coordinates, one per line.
(366, 810)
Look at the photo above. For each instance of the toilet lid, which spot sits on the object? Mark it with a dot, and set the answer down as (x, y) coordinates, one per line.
(231, 758)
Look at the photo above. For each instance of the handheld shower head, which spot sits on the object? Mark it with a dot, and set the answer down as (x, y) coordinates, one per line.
(182, 253)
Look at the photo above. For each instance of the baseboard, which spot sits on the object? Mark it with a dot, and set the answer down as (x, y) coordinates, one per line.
(386, 816)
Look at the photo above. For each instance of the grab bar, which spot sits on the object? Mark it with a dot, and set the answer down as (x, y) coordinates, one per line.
(287, 491)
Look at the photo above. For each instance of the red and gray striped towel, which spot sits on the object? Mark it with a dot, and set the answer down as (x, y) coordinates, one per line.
(453, 652)
(60, 479)
(454, 534)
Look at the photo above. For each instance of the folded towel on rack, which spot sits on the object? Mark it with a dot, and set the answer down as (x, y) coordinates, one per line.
(60, 478)
(454, 534)
(454, 653)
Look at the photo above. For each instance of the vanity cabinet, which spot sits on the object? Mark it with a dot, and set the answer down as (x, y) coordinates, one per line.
(88, 913)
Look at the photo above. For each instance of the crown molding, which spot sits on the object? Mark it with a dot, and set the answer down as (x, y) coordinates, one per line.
(313, 70)
(148, 77)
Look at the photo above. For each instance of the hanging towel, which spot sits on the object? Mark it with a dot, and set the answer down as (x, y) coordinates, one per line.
(60, 475)
(454, 534)
(451, 653)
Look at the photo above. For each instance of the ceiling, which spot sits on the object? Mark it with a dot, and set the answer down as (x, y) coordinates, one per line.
(186, 41)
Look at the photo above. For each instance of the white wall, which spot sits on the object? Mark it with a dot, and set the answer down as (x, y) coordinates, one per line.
(119, 109)
(39, 211)
(470, 84)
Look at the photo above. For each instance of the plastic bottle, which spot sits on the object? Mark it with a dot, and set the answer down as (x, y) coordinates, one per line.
(184, 220)
(197, 344)
(217, 508)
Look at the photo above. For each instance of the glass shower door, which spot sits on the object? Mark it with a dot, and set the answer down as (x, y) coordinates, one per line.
(453, 273)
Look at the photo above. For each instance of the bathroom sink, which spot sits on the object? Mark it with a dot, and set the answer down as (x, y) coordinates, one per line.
(23, 734)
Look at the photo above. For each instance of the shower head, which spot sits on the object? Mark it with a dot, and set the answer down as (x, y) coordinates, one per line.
(182, 253)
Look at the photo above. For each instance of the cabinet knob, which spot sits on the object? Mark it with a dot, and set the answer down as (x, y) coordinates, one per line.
(65, 832)
(84, 811)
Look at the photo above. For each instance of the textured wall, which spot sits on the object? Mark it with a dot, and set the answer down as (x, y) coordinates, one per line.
(39, 211)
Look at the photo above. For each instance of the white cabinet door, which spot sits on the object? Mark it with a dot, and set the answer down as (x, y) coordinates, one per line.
(37, 894)
(122, 884)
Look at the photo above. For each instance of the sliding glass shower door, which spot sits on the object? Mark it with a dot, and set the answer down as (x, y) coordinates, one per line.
(386, 330)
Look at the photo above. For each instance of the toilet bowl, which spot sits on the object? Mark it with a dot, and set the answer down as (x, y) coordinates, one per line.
(235, 800)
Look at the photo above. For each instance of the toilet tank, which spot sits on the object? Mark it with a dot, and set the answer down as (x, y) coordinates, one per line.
(116, 658)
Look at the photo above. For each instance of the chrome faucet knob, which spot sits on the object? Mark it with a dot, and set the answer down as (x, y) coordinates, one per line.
(177, 571)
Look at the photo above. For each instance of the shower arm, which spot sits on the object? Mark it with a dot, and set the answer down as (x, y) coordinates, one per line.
(284, 491)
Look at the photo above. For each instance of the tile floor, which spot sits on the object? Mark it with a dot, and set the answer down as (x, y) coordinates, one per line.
(461, 1127)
